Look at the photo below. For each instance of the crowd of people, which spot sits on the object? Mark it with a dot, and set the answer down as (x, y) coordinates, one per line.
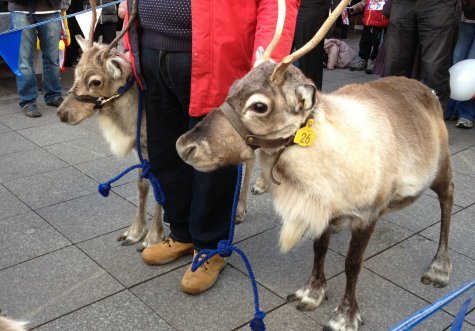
(187, 53)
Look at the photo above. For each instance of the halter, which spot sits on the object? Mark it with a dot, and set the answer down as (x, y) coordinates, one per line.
(257, 141)
(99, 102)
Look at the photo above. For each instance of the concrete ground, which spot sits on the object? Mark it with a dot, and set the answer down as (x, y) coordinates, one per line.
(62, 269)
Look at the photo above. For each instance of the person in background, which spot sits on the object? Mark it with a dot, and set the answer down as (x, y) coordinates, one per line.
(311, 15)
(464, 49)
(374, 25)
(187, 55)
(24, 13)
(430, 25)
(106, 23)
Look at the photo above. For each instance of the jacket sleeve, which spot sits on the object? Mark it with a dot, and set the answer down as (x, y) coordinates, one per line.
(357, 8)
(267, 12)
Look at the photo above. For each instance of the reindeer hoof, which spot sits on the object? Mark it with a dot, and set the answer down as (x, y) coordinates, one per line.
(256, 190)
(122, 237)
(128, 242)
(140, 248)
(292, 297)
(343, 322)
(306, 306)
(438, 273)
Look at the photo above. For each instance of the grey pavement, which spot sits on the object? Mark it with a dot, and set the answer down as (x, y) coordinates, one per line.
(61, 267)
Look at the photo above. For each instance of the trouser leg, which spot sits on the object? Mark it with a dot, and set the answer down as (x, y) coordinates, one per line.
(166, 105)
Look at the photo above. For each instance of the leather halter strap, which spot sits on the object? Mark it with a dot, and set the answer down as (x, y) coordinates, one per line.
(254, 141)
(99, 102)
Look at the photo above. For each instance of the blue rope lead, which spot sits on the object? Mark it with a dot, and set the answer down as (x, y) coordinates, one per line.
(226, 248)
(104, 188)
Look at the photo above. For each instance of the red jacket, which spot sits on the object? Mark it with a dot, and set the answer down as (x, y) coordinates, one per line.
(225, 37)
(373, 12)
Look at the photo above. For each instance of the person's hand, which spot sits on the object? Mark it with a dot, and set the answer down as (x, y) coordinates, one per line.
(122, 9)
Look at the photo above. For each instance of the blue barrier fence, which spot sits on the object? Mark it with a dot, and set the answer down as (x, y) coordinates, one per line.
(423, 314)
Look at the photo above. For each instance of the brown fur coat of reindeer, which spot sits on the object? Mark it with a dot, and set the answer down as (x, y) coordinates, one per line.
(377, 148)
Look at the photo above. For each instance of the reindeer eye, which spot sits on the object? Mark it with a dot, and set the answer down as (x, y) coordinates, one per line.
(95, 83)
(259, 107)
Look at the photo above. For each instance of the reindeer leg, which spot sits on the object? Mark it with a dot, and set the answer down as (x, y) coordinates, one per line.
(312, 294)
(441, 267)
(347, 316)
(261, 184)
(137, 230)
(242, 205)
(155, 232)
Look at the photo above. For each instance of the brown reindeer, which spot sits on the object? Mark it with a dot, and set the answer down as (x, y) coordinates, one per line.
(377, 147)
(101, 71)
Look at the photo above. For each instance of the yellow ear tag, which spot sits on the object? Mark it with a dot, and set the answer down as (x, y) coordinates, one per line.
(306, 135)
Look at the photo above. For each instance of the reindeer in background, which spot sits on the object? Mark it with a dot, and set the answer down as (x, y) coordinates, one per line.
(101, 72)
(332, 160)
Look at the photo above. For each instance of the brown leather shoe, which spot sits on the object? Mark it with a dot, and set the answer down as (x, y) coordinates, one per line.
(204, 277)
(167, 251)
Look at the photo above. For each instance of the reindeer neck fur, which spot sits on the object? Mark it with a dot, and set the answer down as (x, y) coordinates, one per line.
(349, 162)
(118, 122)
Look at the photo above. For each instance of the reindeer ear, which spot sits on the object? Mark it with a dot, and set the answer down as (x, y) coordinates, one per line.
(83, 43)
(114, 67)
(305, 95)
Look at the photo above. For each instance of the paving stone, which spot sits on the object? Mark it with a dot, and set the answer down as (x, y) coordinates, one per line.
(52, 187)
(339, 76)
(89, 216)
(4, 128)
(129, 191)
(52, 285)
(19, 120)
(470, 318)
(26, 236)
(81, 150)
(91, 125)
(382, 304)
(27, 163)
(10, 205)
(53, 133)
(385, 235)
(464, 162)
(464, 193)
(418, 216)
(12, 142)
(282, 273)
(229, 304)
(405, 263)
(122, 311)
(459, 139)
(10, 107)
(289, 319)
(106, 168)
(462, 225)
(124, 262)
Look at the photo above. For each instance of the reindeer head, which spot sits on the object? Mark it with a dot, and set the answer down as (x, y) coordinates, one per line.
(101, 71)
(266, 112)
(98, 74)
(263, 109)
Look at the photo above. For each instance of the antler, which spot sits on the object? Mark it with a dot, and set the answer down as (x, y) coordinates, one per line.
(278, 30)
(317, 38)
(132, 18)
(92, 3)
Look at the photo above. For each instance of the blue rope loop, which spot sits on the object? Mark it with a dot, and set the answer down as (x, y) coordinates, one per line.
(226, 248)
(144, 164)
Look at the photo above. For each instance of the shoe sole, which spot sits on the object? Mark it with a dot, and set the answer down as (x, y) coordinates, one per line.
(170, 260)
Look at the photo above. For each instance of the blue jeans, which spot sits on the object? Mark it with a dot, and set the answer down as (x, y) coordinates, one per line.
(464, 49)
(48, 35)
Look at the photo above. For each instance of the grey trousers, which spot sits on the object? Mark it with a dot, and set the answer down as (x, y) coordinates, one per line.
(430, 24)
